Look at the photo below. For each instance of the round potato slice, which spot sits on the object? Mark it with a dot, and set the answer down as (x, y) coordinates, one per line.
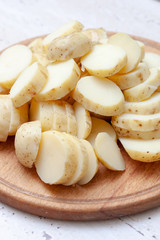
(130, 46)
(59, 116)
(142, 150)
(104, 60)
(96, 95)
(12, 62)
(62, 79)
(27, 141)
(71, 120)
(131, 79)
(142, 47)
(108, 152)
(5, 116)
(30, 82)
(98, 126)
(152, 60)
(96, 35)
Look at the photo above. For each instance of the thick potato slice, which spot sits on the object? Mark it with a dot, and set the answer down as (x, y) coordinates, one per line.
(98, 126)
(137, 122)
(104, 60)
(42, 111)
(131, 79)
(30, 82)
(70, 27)
(59, 116)
(18, 117)
(142, 47)
(63, 77)
(5, 117)
(96, 35)
(145, 89)
(57, 158)
(124, 132)
(142, 150)
(108, 152)
(130, 46)
(96, 95)
(92, 164)
(83, 119)
(148, 106)
(74, 45)
(12, 62)
(27, 141)
(71, 120)
(152, 60)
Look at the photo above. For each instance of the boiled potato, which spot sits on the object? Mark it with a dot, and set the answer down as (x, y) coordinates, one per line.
(30, 82)
(130, 46)
(131, 79)
(83, 119)
(59, 116)
(96, 95)
(142, 150)
(104, 60)
(71, 120)
(5, 117)
(142, 47)
(70, 27)
(62, 79)
(108, 152)
(96, 35)
(145, 89)
(27, 141)
(12, 62)
(152, 60)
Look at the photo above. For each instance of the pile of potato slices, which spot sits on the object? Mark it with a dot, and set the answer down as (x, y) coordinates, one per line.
(69, 96)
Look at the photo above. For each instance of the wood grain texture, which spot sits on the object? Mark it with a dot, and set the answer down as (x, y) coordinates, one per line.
(110, 194)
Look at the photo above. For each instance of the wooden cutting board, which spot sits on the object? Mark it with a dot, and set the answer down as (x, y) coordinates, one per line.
(110, 194)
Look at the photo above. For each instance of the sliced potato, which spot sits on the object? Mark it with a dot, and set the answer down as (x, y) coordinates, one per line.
(62, 78)
(98, 126)
(30, 82)
(57, 158)
(130, 46)
(83, 119)
(92, 164)
(142, 47)
(137, 122)
(96, 95)
(12, 62)
(74, 45)
(96, 35)
(142, 150)
(59, 116)
(70, 27)
(152, 60)
(145, 89)
(27, 141)
(104, 60)
(71, 120)
(148, 106)
(42, 111)
(5, 116)
(108, 152)
(131, 79)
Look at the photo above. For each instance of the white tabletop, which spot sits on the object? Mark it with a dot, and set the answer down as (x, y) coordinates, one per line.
(21, 19)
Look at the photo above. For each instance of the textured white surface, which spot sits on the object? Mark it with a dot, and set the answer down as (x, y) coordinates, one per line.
(21, 19)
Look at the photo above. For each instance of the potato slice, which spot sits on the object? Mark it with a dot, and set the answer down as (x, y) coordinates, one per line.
(70, 27)
(96, 95)
(59, 116)
(30, 82)
(98, 126)
(108, 152)
(42, 111)
(63, 77)
(27, 141)
(142, 150)
(130, 46)
(5, 117)
(57, 158)
(74, 45)
(148, 106)
(142, 47)
(71, 120)
(131, 79)
(152, 60)
(145, 89)
(83, 119)
(124, 132)
(104, 60)
(96, 35)
(12, 62)
(92, 164)
(137, 122)
(18, 117)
